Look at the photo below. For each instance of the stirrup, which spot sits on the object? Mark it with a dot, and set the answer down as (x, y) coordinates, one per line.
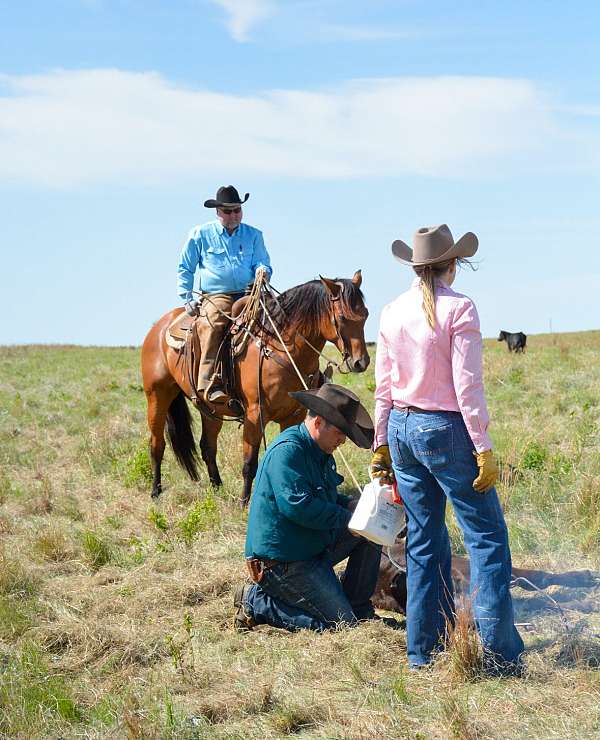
(216, 395)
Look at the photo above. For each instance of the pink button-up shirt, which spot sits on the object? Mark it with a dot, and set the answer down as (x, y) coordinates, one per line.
(435, 369)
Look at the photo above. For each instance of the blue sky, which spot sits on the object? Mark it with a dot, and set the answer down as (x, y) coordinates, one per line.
(351, 124)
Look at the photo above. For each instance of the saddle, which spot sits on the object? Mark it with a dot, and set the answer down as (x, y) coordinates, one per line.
(183, 335)
(179, 330)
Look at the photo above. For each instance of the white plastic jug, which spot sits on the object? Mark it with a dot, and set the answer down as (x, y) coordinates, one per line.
(377, 516)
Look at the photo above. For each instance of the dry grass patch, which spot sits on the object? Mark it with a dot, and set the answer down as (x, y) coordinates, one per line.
(54, 545)
(458, 721)
(463, 654)
(100, 646)
(294, 717)
(235, 705)
(15, 580)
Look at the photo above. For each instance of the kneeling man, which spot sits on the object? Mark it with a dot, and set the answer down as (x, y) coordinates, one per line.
(298, 524)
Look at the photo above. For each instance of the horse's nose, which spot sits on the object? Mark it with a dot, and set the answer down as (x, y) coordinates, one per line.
(362, 364)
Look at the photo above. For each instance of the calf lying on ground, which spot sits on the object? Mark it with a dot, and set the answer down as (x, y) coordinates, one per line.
(390, 592)
(516, 342)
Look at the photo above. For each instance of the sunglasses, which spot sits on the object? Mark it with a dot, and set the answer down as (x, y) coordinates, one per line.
(229, 211)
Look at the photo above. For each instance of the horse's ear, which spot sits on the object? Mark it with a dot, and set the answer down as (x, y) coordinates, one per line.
(332, 287)
(357, 278)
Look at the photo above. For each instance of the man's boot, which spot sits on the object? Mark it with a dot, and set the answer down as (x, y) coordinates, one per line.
(243, 621)
(215, 393)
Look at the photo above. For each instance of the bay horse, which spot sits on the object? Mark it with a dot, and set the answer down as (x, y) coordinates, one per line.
(307, 316)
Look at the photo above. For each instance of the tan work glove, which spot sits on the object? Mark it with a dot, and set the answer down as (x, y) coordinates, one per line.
(488, 471)
(381, 465)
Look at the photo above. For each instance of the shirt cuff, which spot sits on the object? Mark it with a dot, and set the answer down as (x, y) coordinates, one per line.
(343, 500)
(481, 442)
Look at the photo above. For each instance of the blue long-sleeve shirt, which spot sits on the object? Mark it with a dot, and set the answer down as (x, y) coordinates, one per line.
(226, 264)
(295, 510)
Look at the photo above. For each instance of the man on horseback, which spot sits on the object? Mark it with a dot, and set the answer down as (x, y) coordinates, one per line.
(298, 524)
(228, 255)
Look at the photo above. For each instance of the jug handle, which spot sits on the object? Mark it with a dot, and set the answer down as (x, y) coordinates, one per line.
(396, 497)
(375, 507)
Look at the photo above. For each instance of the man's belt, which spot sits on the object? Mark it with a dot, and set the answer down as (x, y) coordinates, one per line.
(257, 566)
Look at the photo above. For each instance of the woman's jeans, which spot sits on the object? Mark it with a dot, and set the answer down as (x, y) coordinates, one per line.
(432, 456)
(307, 594)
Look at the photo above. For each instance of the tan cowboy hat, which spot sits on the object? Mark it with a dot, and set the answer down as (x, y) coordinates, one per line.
(342, 408)
(433, 244)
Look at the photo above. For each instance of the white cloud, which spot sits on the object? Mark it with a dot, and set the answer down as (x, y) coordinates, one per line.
(66, 128)
(242, 15)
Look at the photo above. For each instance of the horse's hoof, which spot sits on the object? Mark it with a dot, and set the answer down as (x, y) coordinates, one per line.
(156, 492)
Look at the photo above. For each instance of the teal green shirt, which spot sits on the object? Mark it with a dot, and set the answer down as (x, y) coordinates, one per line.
(295, 510)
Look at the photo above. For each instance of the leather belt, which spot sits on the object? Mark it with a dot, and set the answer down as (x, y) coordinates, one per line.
(268, 563)
(415, 410)
(258, 566)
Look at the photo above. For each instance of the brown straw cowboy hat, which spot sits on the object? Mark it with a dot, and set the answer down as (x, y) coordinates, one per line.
(433, 244)
(227, 196)
(342, 408)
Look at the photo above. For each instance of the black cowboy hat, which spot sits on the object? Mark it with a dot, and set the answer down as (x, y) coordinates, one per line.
(227, 196)
(342, 408)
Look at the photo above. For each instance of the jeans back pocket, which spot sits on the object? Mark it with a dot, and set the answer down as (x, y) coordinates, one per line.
(432, 445)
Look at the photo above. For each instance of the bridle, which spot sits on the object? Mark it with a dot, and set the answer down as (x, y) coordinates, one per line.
(338, 334)
(345, 352)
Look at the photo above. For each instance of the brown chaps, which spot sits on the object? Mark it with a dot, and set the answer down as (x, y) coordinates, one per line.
(211, 330)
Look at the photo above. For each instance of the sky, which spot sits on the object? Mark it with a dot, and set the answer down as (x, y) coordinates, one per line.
(351, 124)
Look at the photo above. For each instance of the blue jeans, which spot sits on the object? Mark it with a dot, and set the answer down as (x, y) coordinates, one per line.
(307, 594)
(432, 456)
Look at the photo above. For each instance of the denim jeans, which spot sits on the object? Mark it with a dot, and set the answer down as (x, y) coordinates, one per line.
(307, 594)
(432, 456)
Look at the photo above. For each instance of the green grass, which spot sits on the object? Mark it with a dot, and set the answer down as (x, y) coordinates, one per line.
(203, 515)
(115, 610)
(96, 548)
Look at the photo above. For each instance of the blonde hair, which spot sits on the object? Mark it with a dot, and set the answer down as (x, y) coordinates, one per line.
(428, 275)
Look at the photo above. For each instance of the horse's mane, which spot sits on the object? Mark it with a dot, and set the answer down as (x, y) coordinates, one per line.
(302, 308)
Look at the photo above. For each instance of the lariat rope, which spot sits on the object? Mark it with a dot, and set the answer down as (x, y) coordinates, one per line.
(341, 454)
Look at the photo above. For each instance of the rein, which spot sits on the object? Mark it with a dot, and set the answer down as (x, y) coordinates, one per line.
(332, 363)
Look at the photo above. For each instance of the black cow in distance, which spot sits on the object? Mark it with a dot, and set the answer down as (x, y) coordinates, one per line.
(516, 342)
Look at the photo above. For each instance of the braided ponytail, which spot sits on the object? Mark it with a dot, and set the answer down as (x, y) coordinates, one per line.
(428, 290)
(428, 275)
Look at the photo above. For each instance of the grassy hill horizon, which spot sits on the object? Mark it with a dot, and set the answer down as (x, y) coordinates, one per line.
(370, 342)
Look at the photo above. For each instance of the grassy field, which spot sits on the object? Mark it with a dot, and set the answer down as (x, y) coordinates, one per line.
(116, 612)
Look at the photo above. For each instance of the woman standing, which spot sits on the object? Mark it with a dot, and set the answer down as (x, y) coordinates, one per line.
(431, 428)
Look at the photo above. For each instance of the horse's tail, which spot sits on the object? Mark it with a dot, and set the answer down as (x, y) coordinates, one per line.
(179, 431)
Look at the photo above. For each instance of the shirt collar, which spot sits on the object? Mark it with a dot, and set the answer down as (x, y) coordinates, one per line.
(314, 446)
(222, 231)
